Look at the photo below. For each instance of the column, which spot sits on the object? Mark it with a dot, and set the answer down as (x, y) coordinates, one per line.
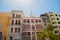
(35, 32)
(31, 29)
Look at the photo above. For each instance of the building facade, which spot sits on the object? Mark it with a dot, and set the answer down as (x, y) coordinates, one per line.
(15, 26)
(45, 19)
(54, 19)
(22, 27)
(4, 17)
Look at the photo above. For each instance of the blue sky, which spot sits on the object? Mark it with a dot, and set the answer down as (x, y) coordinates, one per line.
(36, 6)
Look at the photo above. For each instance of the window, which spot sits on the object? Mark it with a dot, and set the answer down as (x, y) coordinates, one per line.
(59, 26)
(24, 33)
(33, 33)
(44, 19)
(28, 21)
(57, 18)
(36, 21)
(4, 38)
(24, 27)
(28, 26)
(18, 15)
(56, 31)
(51, 15)
(24, 20)
(58, 22)
(37, 32)
(55, 26)
(33, 28)
(16, 22)
(18, 29)
(11, 38)
(12, 22)
(59, 15)
(56, 14)
(33, 38)
(53, 23)
(32, 21)
(19, 22)
(52, 18)
(28, 33)
(13, 15)
(15, 29)
(39, 27)
(39, 20)
(11, 29)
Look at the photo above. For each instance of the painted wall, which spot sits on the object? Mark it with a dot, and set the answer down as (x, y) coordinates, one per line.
(4, 17)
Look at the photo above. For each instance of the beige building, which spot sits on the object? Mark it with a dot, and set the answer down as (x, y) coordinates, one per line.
(54, 19)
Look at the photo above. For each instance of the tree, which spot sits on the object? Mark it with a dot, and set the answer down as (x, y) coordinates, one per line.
(47, 33)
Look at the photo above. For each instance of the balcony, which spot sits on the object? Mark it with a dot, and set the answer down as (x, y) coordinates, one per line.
(26, 30)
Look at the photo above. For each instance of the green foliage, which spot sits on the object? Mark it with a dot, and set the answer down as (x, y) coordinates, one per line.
(47, 33)
(49, 27)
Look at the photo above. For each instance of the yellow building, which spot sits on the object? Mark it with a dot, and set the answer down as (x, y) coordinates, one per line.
(4, 17)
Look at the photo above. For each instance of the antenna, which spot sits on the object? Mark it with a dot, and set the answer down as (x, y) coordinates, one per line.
(31, 13)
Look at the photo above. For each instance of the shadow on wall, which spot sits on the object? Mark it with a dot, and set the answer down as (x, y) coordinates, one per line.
(1, 36)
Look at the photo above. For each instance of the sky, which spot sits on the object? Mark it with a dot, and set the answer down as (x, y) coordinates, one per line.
(36, 6)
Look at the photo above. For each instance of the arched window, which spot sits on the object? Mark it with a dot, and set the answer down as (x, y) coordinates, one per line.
(32, 20)
(18, 29)
(16, 22)
(15, 29)
(13, 15)
(36, 21)
(33, 28)
(39, 20)
(12, 22)
(11, 29)
(24, 20)
(28, 21)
